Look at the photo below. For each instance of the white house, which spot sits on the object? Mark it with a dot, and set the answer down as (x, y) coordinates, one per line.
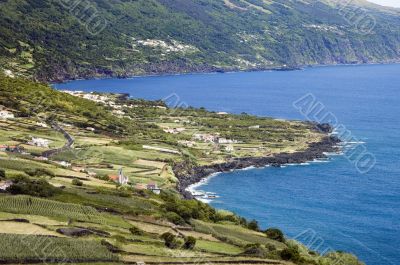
(226, 141)
(42, 124)
(154, 188)
(174, 130)
(4, 115)
(5, 184)
(40, 142)
(9, 73)
(205, 137)
(187, 143)
(64, 163)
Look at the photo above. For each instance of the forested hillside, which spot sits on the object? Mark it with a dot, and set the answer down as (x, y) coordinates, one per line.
(56, 40)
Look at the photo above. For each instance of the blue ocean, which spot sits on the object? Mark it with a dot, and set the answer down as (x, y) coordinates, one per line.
(339, 205)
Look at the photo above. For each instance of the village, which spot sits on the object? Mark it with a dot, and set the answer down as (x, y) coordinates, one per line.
(85, 155)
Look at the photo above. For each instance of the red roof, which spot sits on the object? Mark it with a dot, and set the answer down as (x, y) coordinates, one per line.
(113, 177)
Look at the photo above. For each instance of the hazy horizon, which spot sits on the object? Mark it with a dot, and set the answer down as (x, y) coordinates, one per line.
(393, 3)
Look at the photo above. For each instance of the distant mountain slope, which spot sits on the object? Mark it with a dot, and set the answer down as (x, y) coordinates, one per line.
(62, 39)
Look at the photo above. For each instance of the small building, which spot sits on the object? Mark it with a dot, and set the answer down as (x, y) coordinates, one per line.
(42, 124)
(254, 127)
(90, 129)
(113, 178)
(4, 185)
(41, 158)
(152, 186)
(226, 141)
(187, 143)
(120, 178)
(9, 73)
(174, 130)
(64, 163)
(205, 137)
(5, 114)
(3, 148)
(40, 142)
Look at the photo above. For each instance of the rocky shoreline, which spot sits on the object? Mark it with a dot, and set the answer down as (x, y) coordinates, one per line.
(191, 175)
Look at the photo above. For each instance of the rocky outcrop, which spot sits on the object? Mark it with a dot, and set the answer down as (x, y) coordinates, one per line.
(188, 175)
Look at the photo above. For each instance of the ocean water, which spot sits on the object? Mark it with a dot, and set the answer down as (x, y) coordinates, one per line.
(331, 202)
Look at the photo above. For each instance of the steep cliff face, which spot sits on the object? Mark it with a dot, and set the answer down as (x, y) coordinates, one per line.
(55, 40)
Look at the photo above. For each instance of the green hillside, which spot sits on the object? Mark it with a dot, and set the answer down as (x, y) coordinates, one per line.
(55, 40)
(67, 208)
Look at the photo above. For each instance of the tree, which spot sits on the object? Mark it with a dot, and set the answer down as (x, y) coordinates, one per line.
(175, 218)
(2, 174)
(255, 250)
(291, 253)
(190, 243)
(136, 231)
(275, 234)
(170, 240)
(253, 225)
(38, 188)
(77, 182)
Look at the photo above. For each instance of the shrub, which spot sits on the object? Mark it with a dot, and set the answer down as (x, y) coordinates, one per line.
(77, 182)
(253, 225)
(39, 172)
(190, 243)
(275, 234)
(2, 174)
(270, 247)
(136, 231)
(291, 253)
(37, 188)
(170, 240)
(255, 250)
(175, 218)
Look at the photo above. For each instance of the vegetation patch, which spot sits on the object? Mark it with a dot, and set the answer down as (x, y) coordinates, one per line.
(30, 248)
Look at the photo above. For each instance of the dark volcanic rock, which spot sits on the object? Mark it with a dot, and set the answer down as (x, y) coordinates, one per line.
(190, 175)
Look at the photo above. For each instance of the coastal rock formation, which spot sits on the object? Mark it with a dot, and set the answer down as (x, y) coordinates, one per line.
(190, 175)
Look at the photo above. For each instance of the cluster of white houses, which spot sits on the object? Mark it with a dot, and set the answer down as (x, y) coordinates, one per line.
(174, 130)
(213, 138)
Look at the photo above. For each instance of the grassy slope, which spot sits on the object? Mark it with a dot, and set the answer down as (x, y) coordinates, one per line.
(28, 221)
(264, 34)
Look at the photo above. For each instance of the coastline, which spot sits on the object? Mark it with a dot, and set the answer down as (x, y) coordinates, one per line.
(211, 70)
(189, 176)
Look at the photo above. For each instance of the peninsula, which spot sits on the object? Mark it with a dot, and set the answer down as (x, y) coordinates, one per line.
(99, 178)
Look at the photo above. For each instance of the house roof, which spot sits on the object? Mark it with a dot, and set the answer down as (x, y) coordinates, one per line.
(113, 177)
